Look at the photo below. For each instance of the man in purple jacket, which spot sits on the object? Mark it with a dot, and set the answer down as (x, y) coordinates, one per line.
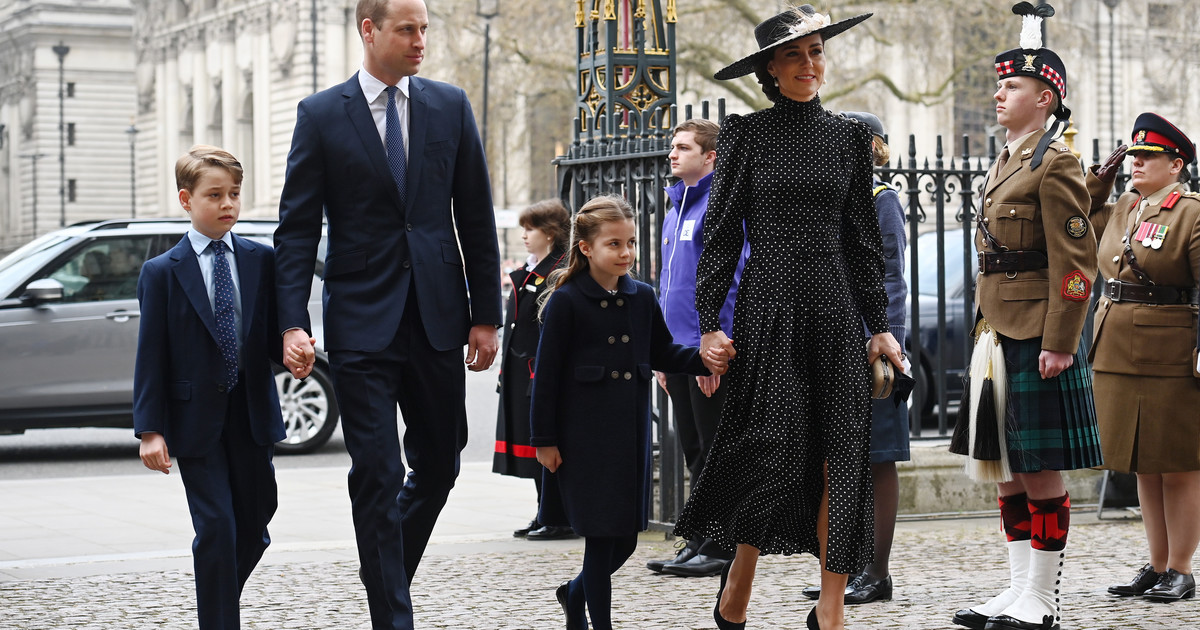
(697, 399)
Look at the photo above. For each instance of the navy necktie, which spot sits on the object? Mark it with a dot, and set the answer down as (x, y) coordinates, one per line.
(224, 312)
(394, 139)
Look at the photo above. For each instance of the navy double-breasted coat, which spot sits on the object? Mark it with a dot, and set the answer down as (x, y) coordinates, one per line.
(591, 398)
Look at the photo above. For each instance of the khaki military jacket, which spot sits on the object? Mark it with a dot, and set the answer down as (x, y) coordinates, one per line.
(1044, 210)
(1138, 338)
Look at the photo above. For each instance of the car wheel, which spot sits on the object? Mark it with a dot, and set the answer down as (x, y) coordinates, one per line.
(310, 410)
(923, 391)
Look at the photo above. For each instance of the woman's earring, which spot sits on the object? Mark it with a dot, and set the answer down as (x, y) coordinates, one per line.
(776, 79)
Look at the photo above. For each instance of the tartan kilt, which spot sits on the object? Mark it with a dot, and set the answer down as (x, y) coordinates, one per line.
(1051, 423)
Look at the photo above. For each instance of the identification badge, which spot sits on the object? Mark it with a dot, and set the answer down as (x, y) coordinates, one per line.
(686, 232)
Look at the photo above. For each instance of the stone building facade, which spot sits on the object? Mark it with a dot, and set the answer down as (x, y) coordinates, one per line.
(230, 72)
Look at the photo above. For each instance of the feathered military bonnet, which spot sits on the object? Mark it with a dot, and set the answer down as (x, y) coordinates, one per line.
(783, 28)
(1033, 60)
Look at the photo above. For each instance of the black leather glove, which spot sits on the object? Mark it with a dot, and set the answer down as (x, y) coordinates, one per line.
(1107, 172)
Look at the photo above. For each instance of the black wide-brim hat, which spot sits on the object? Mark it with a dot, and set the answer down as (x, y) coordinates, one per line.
(783, 28)
(1156, 134)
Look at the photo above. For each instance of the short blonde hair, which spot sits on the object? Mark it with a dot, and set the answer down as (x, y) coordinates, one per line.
(201, 157)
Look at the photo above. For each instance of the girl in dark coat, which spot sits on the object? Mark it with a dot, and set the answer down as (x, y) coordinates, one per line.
(546, 226)
(602, 336)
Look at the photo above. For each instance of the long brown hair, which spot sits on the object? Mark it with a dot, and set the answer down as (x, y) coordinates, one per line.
(585, 226)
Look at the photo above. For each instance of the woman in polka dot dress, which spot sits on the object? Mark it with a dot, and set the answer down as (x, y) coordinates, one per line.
(789, 470)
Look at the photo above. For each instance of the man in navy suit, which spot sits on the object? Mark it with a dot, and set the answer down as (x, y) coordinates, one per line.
(397, 166)
(204, 390)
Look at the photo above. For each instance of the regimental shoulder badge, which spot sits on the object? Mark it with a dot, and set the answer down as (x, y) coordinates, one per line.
(540, 280)
(1076, 287)
(1077, 227)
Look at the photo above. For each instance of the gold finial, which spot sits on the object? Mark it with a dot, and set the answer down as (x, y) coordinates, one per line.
(578, 13)
(1069, 137)
(640, 13)
(610, 10)
(671, 16)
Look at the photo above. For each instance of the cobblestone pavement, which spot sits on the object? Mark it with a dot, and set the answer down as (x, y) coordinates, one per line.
(497, 584)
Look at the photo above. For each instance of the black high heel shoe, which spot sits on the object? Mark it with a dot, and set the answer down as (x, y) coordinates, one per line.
(722, 623)
(812, 620)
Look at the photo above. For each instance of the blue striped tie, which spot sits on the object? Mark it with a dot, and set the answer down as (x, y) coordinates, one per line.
(394, 139)
(224, 312)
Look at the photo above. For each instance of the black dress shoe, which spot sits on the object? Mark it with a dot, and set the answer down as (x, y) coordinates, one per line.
(1172, 586)
(524, 531)
(814, 592)
(812, 620)
(699, 565)
(1145, 578)
(970, 618)
(1005, 622)
(722, 623)
(865, 590)
(562, 594)
(687, 551)
(551, 532)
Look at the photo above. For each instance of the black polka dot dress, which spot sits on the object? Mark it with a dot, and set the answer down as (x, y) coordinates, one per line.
(799, 179)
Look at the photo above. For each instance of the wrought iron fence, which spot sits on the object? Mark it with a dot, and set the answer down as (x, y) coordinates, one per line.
(939, 195)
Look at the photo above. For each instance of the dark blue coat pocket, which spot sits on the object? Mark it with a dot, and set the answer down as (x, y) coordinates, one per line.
(589, 373)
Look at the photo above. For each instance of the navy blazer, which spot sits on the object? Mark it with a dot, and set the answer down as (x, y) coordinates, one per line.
(175, 381)
(377, 246)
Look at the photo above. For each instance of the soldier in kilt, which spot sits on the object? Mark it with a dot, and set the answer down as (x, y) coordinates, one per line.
(1028, 411)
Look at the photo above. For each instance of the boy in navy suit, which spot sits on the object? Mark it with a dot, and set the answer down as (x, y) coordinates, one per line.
(204, 390)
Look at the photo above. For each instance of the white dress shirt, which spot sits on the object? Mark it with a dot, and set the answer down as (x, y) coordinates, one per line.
(375, 92)
(206, 258)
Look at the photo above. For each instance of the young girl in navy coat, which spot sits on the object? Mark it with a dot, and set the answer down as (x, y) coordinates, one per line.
(603, 335)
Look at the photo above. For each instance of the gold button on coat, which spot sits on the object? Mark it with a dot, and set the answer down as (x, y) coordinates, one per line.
(628, 376)
(612, 340)
(603, 303)
(616, 374)
(624, 338)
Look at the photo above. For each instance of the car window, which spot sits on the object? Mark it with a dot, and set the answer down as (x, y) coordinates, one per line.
(101, 269)
(927, 254)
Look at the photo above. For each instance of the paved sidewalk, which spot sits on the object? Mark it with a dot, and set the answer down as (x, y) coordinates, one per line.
(112, 552)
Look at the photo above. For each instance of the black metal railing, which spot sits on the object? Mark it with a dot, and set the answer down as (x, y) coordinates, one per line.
(939, 195)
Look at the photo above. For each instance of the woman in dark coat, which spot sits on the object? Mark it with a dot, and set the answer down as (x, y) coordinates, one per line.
(789, 470)
(603, 335)
(545, 225)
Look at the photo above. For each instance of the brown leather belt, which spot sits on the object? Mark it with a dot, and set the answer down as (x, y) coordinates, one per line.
(1118, 291)
(1018, 260)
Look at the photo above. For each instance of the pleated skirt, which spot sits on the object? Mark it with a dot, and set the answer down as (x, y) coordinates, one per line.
(1051, 423)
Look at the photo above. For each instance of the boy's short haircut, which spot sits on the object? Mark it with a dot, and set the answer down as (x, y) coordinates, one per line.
(192, 164)
(704, 130)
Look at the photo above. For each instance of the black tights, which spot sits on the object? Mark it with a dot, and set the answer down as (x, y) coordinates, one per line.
(602, 556)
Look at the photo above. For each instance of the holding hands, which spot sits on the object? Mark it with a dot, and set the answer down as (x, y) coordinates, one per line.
(716, 350)
(298, 354)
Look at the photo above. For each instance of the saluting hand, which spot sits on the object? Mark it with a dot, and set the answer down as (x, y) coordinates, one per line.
(1107, 172)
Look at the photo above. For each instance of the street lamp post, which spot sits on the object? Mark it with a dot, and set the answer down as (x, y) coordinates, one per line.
(33, 158)
(486, 9)
(61, 51)
(132, 131)
(1112, 74)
